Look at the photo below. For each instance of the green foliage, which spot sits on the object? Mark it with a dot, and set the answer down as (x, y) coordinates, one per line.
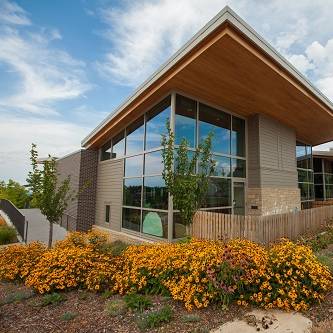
(118, 247)
(54, 299)
(320, 241)
(15, 193)
(7, 234)
(50, 195)
(156, 318)
(115, 307)
(191, 318)
(186, 174)
(107, 293)
(67, 316)
(137, 302)
(326, 259)
(17, 297)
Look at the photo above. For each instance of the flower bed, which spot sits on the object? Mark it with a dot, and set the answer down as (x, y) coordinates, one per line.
(196, 273)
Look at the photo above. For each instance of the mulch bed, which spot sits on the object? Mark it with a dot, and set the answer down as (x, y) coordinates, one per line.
(27, 316)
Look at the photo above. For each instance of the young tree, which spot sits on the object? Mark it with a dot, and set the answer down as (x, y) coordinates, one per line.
(186, 173)
(50, 195)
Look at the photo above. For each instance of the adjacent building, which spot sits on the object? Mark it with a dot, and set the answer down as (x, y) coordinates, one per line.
(227, 79)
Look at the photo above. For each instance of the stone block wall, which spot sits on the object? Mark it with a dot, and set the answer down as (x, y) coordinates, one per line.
(270, 201)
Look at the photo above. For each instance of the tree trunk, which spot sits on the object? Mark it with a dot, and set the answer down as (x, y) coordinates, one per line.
(50, 234)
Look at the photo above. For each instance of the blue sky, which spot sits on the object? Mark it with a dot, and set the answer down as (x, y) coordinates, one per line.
(65, 65)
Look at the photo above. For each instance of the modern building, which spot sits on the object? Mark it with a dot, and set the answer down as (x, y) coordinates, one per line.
(265, 115)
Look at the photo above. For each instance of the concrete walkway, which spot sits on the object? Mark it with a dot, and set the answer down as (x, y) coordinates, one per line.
(38, 229)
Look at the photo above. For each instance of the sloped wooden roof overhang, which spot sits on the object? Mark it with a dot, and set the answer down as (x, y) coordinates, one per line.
(232, 67)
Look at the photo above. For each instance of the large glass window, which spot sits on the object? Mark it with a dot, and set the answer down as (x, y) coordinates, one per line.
(134, 137)
(222, 166)
(155, 194)
(185, 120)
(106, 151)
(217, 122)
(238, 137)
(131, 219)
(156, 121)
(118, 145)
(153, 163)
(133, 166)
(305, 173)
(145, 199)
(155, 223)
(132, 192)
(219, 193)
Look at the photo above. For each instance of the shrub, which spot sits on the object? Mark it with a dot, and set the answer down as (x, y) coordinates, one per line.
(17, 297)
(191, 318)
(115, 307)
(67, 268)
(294, 279)
(156, 318)
(67, 316)
(53, 299)
(320, 241)
(7, 234)
(94, 240)
(137, 302)
(17, 261)
(178, 270)
(242, 263)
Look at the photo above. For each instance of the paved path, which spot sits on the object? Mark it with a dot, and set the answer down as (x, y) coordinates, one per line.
(38, 228)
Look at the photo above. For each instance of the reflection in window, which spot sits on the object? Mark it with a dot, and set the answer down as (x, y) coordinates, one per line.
(131, 219)
(132, 192)
(219, 193)
(238, 137)
(185, 121)
(134, 137)
(222, 166)
(179, 228)
(156, 120)
(155, 194)
(118, 145)
(238, 168)
(106, 151)
(155, 223)
(133, 166)
(217, 122)
(153, 163)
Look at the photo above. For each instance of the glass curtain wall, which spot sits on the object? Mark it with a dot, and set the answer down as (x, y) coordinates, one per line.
(145, 198)
(323, 178)
(305, 173)
(193, 121)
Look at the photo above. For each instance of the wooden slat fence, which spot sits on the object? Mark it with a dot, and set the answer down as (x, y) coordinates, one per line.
(261, 229)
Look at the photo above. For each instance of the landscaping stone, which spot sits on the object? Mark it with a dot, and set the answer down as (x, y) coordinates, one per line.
(273, 321)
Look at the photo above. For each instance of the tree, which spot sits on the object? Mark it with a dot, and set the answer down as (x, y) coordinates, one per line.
(14, 192)
(186, 173)
(50, 195)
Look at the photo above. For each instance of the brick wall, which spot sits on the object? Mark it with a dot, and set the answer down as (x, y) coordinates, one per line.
(270, 201)
(87, 192)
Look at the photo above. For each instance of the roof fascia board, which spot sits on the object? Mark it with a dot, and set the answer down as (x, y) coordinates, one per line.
(226, 14)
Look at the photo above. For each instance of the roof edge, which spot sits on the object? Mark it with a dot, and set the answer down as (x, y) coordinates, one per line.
(226, 14)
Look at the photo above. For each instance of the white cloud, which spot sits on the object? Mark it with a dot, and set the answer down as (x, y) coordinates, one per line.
(143, 34)
(11, 13)
(44, 74)
(51, 136)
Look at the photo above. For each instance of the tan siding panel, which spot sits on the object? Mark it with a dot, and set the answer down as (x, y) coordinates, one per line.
(109, 191)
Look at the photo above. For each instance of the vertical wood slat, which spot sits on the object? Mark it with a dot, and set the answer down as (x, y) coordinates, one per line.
(262, 229)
